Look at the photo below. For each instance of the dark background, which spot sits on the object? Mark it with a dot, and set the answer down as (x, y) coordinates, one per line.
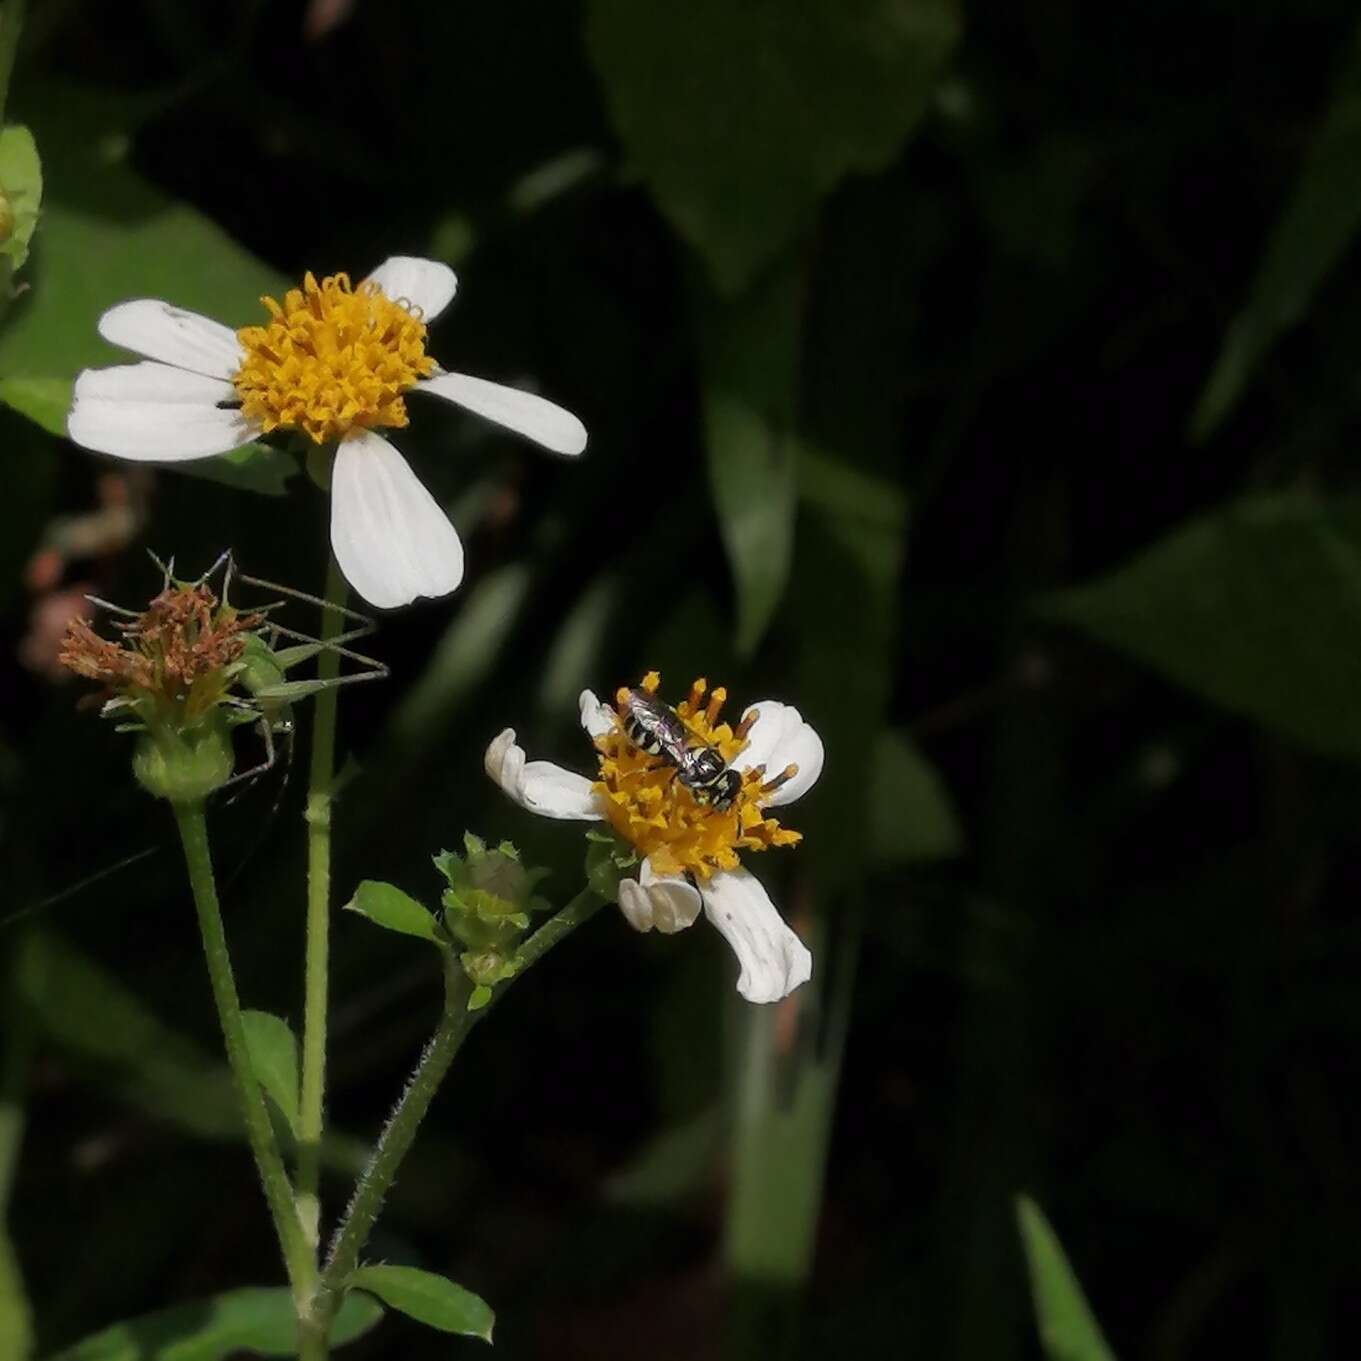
(984, 384)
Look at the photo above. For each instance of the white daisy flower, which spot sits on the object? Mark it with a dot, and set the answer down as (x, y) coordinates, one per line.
(332, 363)
(689, 849)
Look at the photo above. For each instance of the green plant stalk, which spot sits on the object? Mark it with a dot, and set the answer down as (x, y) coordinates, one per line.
(321, 778)
(400, 1131)
(783, 1108)
(16, 1050)
(299, 1261)
(11, 26)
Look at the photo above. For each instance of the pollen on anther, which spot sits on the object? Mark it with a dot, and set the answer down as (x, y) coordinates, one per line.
(783, 778)
(716, 700)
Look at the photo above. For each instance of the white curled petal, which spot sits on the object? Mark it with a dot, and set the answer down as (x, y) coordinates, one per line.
(636, 905)
(596, 718)
(426, 284)
(778, 738)
(539, 786)
(159, 330)
(154, 413)
(391, 538)
(534, 417)
(675, 900)
(774, 960)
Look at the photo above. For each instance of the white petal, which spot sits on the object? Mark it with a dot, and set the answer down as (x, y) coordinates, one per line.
(774, 960)
(666, 902)
(154, 413)
(596, 718)
(540, 786)
(779, 738)
(675, 900)
(523, 412)
(161, 331)
(635, 904)
(391, 539)
(426, 284)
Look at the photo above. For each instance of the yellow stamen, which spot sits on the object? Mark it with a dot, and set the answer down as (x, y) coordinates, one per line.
(656, 814)
(331, 359)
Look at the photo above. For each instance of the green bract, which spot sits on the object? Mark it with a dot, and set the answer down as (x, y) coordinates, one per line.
(186, 765)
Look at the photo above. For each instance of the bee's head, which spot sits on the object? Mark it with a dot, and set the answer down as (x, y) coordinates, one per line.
(725, 789)
(706, 765)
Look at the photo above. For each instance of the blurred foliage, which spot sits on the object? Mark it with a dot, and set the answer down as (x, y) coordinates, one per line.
(889, 325)
(1067, 1329)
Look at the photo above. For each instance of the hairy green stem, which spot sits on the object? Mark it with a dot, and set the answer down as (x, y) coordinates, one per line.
(316, 969)
(400, 1131)
(11, 25)
(561, 924)
(298, 1259)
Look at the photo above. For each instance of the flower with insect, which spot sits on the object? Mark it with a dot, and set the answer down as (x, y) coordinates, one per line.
(333, 364)
(687, 847)
(191, 667)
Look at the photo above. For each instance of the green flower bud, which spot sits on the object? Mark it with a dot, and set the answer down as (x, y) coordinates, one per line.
(487, 908)
(185, 766)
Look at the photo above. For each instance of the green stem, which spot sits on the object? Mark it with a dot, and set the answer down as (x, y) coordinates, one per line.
(11, 25)
(298, 1259)
(581, 909)
(318, 815)
(400, 1132)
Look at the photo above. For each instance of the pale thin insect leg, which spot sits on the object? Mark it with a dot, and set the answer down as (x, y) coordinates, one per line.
(367, 623)
(271, 755)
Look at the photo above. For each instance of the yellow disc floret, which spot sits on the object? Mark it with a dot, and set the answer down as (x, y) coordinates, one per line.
(331, 359)
(656, 814)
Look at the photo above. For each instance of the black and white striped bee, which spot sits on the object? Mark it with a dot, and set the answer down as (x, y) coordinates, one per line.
(656, 728)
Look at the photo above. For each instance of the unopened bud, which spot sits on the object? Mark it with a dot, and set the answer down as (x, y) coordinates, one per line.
(487, 907)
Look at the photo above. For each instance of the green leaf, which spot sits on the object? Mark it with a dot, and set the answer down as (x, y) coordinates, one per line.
(108, 236)
(274, 1060)
(21, 190)
(387, 906)
(257, 1320)
(461, 661)
(1068, 1331)
(741, 117)
(914, 818)
(1317, 227)
(1257, 607)
(752, 346)
(45, 401)
(16, 1318)
(121, 1044)
(428, 1298)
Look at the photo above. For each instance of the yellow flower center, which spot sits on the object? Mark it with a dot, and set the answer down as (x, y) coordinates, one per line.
(331, 359)
(649, 807)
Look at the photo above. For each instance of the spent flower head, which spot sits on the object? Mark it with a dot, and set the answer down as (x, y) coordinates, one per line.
(680, 850)
(332, 364)
(168, 676)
